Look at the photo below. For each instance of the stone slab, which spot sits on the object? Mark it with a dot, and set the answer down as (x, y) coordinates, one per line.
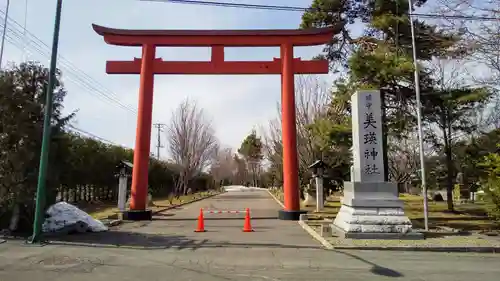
(372, 210)
(372, 203)
(363, 190)
(412, 235)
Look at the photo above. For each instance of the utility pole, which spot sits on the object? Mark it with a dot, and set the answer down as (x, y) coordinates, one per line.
(4, 31)
(159, 127)
(44, 154)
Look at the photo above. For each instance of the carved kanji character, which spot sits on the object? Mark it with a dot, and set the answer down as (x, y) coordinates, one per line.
(370, 120)
(370, 138)
(371, 153)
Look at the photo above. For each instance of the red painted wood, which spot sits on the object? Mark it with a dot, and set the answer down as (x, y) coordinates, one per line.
(221, 67)
(287, 66)
(289, 132)
(139, 188)
(230, 38)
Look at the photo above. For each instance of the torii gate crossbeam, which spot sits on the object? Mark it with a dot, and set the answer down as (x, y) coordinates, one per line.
(147, 66)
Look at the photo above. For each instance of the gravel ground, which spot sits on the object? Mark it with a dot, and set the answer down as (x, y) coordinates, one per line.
(473, 240)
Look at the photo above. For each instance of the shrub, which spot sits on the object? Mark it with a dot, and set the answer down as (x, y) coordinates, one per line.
(491, 184)
(492, 197)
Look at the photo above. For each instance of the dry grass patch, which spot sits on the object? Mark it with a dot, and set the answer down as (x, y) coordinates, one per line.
(467, 216)
(110, 210)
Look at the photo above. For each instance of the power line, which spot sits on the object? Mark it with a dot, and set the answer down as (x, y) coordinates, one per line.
(159, 127)
(78, 76)
(304, 9)
(24, 55)
(78, 130)
(2, 47)
(20, 37)
(20, 46)
(233, 5)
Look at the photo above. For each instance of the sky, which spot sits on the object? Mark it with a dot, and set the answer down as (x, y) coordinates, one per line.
(106, 105)
(235, 104)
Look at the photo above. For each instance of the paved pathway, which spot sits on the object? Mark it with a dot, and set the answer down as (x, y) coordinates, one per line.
(168, 249)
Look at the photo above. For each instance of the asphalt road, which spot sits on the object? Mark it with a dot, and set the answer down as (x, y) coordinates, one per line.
(168, 249)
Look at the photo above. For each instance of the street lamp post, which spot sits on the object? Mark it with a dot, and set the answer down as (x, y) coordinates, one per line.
(419, 118)
(44, 155)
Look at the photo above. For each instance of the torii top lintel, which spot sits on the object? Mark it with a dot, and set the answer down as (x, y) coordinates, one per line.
(230, 38)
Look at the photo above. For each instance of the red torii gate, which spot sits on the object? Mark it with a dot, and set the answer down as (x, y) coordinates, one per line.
(149, 65)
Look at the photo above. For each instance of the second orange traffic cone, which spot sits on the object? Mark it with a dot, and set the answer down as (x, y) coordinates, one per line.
(201, 223)
(247, 227)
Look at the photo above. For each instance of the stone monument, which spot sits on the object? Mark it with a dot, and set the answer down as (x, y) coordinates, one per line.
(370, 206)
(317, 169)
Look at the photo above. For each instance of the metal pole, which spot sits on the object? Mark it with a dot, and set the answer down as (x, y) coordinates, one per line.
(44, 154)
(4, 31)
(419, 118)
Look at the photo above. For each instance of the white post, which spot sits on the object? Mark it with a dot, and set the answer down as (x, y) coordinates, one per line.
(319, 193)
(122, 190)
(419, 118)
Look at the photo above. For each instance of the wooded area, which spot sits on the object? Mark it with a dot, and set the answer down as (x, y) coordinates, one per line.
(82, 170)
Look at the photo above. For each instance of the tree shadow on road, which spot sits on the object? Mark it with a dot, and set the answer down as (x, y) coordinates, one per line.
(148, 241)
(376, 269)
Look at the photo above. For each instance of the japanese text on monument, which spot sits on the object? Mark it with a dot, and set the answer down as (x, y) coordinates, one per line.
(370, 139)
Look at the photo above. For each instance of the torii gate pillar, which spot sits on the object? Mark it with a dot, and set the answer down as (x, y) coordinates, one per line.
(147, 66)
(289, 137)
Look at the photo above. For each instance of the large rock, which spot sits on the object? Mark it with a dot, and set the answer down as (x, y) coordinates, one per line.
(62, 215)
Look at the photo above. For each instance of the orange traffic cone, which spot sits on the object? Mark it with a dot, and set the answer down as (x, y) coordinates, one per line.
(201, 223)
(247, 227)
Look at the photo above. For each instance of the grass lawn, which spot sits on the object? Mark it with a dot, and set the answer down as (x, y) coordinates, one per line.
(468, 216)
(110, 210)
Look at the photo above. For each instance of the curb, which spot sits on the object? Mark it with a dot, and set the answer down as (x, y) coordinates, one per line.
(492, 250)
(307, 228)
(316, 236)
(329, 246)
(120, 221)
(463, 249)
(186, 203)
(275, 199)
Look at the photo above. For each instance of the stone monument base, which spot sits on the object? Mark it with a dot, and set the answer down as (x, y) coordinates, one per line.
(373, 211)
(131, 215)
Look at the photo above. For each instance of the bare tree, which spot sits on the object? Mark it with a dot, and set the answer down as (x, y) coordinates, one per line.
(312, 98)
(404, 159)
(493, 116)
(479, 21)
(222, 164)
(191, 141)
